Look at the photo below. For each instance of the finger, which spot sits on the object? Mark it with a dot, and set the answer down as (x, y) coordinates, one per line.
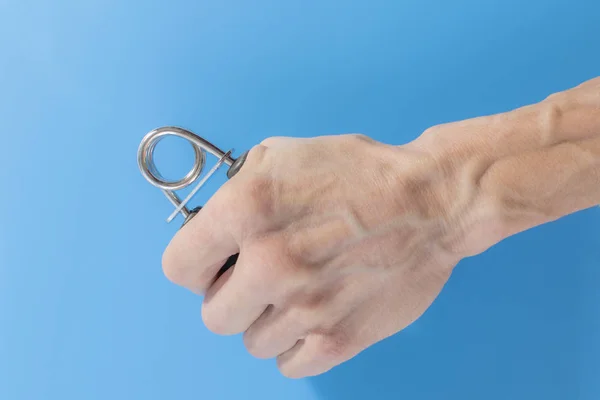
(237, 298)
(364, 325)
(275, 332)
(336, 338)
(279, 328)
(322, 308)
(201, 247)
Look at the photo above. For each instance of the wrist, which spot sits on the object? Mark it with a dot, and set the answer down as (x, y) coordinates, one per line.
(472, 219)
(509, 172)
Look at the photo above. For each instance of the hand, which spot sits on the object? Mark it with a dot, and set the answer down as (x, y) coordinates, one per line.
(343, 242)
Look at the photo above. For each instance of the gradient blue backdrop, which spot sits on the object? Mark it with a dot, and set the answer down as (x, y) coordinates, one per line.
(85, 312)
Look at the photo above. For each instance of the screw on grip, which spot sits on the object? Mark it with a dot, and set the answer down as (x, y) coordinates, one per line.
(233, 169)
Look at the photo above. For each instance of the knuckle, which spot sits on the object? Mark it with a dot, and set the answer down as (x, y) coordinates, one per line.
(291, 264)
(272, 141)
(289, 248)
(298, 246)
(311, 249)
(256, 155)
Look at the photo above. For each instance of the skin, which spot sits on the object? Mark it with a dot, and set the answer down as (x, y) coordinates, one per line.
(345, 241)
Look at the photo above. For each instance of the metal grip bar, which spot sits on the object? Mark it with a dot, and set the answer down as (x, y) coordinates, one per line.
(145, 159)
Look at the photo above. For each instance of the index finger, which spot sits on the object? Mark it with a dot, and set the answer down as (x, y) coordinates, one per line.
(202, 246)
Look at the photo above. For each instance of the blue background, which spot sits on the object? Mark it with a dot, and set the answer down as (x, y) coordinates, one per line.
(85, 312)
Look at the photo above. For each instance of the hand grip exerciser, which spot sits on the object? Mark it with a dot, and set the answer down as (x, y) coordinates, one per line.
(145, 158)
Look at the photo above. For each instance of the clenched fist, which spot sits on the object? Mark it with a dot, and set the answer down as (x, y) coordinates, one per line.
(343, 242)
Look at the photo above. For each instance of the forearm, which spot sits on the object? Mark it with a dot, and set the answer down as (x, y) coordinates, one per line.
(512, 171)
